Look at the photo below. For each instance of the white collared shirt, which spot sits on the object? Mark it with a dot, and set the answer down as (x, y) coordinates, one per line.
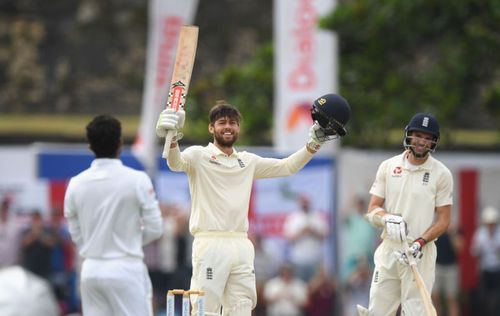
(413, 193)
(221, 184)
(112, 210)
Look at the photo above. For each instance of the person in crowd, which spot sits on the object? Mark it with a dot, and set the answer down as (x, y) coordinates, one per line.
(306, 232)
(166, 256)
(359, 237)
(357, 286)
(322, 294)
(266, 267)
(446, 288)
(486, 248)
(286, 294)
(38, 242)
(62, 262)
(10, 233)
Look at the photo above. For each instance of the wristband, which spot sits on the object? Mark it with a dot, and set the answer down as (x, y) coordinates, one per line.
(421, 241)
(375, 219)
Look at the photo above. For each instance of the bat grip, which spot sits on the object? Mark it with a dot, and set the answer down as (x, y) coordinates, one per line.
(411, 260)
(168, 141)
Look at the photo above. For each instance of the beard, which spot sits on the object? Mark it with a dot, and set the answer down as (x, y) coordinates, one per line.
(219, 138)
(419, 155)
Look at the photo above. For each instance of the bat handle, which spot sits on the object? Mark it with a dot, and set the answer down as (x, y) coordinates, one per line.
(411, 260)
(168, 141)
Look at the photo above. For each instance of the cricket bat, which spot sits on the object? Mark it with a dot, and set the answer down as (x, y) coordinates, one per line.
(181, 76)
(424, 294)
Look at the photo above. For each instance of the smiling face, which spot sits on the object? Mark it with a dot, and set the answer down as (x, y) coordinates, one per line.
(421, 143)
(225, 131)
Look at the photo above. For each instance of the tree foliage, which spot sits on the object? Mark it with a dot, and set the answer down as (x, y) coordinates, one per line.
(400, 57)
(249, 87)
(396, 58)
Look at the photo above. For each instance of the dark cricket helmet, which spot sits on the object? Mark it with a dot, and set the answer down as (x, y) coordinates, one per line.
(422, 122)
(332, 112)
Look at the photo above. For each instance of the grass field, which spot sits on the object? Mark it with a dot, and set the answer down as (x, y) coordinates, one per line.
(55, 126)
(72, 128)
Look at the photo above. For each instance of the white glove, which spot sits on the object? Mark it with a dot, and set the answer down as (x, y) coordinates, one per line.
(169, 119)
(316, 137)
(395, 226)
(401, 257)
(317, 133)
(415, 250)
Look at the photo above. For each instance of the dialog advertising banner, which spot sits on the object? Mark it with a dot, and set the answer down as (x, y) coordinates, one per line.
(305, 68)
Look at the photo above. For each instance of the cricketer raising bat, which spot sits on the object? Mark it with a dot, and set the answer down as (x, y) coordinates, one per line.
(183, 67)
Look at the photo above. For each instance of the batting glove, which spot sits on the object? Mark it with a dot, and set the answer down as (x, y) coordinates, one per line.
(395, 226)
(401, 257)
(316, 137)
(415, 249)
(169, 119)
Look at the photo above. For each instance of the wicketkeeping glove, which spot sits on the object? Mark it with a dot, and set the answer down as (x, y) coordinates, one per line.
(395, 226)
(169, 119)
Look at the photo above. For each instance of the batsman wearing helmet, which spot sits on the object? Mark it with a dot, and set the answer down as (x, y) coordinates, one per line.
(220, 181)
(411, 200)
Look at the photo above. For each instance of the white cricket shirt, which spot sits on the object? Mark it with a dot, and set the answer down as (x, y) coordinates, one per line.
(414, 193)
(220, 185)
(112, 210)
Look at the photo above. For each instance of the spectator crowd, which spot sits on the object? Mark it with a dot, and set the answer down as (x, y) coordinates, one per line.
(298, 285)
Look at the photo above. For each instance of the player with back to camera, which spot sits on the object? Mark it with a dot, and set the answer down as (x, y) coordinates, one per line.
(411, 200)
(112, 212)
(220, 182)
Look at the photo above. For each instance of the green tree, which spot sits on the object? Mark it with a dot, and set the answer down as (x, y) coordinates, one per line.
(248, 87)
(399, 57)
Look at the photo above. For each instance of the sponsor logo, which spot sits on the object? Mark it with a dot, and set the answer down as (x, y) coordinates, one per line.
(300, 113)
(397, 172)
(302, 76)
(176, 94)
(375, 277)
(214, 160)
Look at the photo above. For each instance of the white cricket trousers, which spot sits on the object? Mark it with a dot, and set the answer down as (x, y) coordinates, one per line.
(118, 287)
(223, 267)
(393, 283)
